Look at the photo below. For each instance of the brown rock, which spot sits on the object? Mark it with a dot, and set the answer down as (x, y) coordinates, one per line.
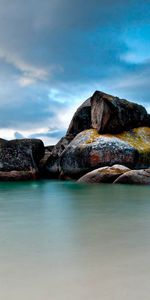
(110, 114)
(135, 177)
(104, 175)
(19, 175)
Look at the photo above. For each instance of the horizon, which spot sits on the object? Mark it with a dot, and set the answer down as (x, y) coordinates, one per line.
(55, 54)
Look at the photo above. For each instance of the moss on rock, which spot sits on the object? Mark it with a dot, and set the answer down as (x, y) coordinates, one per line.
(139, 138)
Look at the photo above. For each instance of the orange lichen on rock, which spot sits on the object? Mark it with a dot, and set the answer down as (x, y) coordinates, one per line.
(94, 158)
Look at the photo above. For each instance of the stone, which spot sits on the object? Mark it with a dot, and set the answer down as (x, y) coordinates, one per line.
(20, 158)
(51, 167)
(81, 119)
(135, 177)
(104, 175)
(110, 114)
(90, 150)
(19, 175)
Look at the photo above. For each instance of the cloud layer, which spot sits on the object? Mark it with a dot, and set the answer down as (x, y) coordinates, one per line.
(53, 54)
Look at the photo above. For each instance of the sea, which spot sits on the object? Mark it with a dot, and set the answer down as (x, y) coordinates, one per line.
(69, 241)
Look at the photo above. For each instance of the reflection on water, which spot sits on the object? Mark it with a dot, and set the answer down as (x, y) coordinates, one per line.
(64, 241)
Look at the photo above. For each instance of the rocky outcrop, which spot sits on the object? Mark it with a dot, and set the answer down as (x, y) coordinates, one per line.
(104, 131)
(135, 177)
(104, 175)
(19, 159)
(112, 115)
(81, 119)
(89, 150)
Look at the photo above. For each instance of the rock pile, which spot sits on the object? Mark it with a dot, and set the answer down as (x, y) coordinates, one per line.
(108, 140)
(104, 131)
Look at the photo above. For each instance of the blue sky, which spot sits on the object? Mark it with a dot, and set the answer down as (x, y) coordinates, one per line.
(55, 53)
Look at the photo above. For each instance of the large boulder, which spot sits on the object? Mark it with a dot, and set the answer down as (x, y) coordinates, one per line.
(89, 151)
(81, 119)
(110, 114)
(19, 159)
(135, 177)
(104, 175)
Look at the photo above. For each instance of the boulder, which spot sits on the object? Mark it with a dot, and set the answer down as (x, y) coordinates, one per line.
(104, 175)
(19, 159)
(42, 163)
(139, 138)
(110, 114)
(135, 177)
(81, 119)
(51, 167)
(90, 150)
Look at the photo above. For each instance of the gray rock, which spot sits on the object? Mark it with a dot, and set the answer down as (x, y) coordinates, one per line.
(20, 156)
(90, 150)
(51, 167)
(135, 177)
(104, 175)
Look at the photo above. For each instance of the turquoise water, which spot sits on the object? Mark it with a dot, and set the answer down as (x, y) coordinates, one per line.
(64, 241)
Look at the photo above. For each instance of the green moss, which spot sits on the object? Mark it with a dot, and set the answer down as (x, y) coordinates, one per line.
(92, 135)
(139, 138)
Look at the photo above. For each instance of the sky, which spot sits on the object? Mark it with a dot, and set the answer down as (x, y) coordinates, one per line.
(55, 53)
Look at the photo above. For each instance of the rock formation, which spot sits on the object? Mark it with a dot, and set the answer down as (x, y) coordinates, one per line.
(103, 132)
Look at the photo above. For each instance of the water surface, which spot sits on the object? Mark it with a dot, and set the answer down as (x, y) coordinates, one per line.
(64, 241)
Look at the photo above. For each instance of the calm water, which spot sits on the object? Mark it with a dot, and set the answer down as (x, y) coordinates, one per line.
(63, 241)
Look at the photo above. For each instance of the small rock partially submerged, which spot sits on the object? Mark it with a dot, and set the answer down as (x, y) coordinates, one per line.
(104, 175)
(135, 177)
